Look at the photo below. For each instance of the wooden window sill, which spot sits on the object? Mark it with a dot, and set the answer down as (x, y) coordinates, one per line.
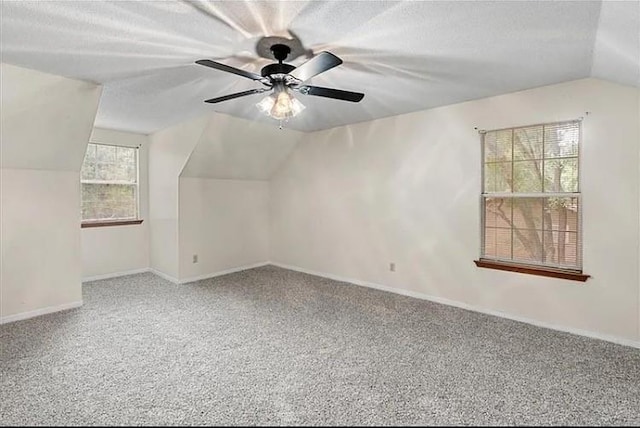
(573, 275)
(105, 223)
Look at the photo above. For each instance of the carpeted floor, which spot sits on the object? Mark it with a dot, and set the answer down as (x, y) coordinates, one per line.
(274, 347)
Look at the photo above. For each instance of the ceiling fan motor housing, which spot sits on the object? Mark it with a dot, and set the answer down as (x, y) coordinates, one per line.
(276, 68)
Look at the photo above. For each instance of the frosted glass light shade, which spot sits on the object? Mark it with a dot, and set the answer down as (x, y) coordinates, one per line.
(280, 105)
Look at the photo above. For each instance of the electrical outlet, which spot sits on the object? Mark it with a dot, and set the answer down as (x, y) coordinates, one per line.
(392, 267)
(195, 258)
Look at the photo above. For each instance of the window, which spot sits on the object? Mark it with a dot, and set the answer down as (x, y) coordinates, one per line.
(531, 201)
(109, 180)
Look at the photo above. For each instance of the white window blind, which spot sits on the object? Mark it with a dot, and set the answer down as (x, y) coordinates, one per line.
(531, 205)
(109, 180)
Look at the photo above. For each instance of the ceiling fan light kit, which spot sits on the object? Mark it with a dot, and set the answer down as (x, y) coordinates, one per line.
(282, 79)
(280, 105)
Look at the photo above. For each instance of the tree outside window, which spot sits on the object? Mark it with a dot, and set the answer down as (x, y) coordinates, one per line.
(531, 200)
(109, 180)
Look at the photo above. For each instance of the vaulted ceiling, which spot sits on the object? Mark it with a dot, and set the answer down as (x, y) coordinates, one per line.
(405, 56)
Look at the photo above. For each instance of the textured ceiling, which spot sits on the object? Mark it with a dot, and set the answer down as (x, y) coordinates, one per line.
(404, 56)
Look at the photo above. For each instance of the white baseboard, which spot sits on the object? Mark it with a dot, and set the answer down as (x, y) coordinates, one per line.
(441, 300)
(38, 312)
(115, 274)
(164, 276)
(222, 272)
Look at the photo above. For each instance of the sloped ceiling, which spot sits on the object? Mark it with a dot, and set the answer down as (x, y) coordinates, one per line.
(46, 120)
(231, 148)
(404, 56)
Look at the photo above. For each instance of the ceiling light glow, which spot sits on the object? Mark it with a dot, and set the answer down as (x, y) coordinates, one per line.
(280, 105)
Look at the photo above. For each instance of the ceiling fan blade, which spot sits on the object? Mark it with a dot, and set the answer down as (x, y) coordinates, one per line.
(337, 94)
(229, 69)
(318, 64)
(236, 95)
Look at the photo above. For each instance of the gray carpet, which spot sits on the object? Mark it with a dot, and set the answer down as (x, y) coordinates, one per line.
(274, 347)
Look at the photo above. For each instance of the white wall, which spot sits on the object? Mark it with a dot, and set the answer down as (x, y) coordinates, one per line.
(406, 189)
(224, 222)
(46, 121)
(40, 240)
(223, 195)
(209, 194)
(119, 249)
(168, 153)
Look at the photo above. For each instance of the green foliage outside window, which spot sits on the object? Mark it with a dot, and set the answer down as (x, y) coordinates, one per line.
(109, 179)
(531, 195)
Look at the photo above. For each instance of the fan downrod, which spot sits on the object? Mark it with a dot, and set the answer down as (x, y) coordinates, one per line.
(280, 52)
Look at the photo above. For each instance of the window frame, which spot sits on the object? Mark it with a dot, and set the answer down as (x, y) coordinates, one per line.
(119, 221)
(542, 269)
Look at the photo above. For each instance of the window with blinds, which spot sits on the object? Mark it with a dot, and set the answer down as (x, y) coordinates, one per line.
(109, 180)
(531, 195)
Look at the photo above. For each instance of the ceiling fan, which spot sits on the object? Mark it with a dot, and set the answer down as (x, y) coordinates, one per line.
(283, 78)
